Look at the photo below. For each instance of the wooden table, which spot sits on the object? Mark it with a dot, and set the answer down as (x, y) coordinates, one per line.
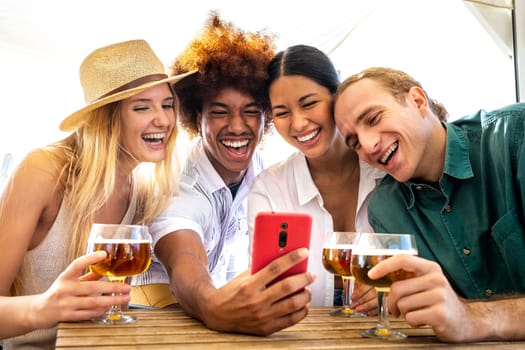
(172, 329)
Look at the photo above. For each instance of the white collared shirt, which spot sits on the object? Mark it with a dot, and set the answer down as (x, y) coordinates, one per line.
(288, 186)
(205, 205)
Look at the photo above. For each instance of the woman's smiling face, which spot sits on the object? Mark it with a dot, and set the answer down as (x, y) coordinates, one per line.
(148, 119)
(301, 114)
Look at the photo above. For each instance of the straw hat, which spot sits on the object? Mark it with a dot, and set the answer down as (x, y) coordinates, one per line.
(116, 72)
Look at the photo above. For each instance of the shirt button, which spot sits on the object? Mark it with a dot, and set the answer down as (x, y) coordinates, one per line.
(419, 187)
(466, 251)
(488, 293)
(448, 208)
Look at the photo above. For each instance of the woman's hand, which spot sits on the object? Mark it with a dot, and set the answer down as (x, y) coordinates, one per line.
(364, 299)
(75, 296)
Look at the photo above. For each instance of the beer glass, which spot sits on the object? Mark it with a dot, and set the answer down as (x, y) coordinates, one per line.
(369, 250)
(337, 252)
(128, 249)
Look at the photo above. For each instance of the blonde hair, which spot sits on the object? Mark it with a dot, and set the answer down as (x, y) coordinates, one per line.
(91, 155)
(87, 167)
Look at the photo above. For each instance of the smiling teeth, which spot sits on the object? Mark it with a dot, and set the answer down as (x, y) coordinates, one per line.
(159, 135)
(235, 144)
(308, 136)
(154, 138)
(388, 153)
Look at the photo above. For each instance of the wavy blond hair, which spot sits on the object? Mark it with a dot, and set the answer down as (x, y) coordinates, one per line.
(89, 168)
(87, 165)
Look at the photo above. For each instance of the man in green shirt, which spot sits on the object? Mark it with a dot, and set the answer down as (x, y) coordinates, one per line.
(460, 188)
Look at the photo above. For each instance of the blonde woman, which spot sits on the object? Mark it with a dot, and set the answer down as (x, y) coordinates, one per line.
(60, 190)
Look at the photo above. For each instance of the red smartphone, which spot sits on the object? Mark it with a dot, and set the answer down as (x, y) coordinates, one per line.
(277, 233)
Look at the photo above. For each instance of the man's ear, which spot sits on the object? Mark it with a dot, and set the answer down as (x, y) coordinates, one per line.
(419, 98)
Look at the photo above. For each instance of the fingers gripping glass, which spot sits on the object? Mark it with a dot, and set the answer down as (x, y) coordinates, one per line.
(128, 249)
(369, 250)
(337, 252)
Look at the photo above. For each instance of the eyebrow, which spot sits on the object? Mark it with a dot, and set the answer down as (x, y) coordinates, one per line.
(364, 114)
(251, 104)
(301, 99)
(147, 99)
(218, 104)
(224, 105)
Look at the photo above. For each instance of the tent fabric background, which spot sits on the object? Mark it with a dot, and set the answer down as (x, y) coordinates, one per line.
(442, 43)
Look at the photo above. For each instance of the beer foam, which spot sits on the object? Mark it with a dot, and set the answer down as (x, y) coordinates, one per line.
(339, 246)
(371, 251)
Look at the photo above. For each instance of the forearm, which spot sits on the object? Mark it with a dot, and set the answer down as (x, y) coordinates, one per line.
(186, 262)
(16, 316)
(191, 284)
(497, 319)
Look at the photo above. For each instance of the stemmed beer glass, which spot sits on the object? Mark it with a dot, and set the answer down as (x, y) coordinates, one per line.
(337, 252)
(128, 249)
(369, 250)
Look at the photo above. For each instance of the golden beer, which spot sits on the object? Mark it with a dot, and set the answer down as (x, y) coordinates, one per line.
(337, 259)
(124, 258)
(362, 263)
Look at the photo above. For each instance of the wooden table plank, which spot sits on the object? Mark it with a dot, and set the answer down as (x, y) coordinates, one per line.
(172, 329)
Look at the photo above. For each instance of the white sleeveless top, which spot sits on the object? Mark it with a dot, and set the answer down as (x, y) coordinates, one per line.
(41, 267)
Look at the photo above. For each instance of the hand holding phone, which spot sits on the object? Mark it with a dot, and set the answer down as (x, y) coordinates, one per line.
(276, 234)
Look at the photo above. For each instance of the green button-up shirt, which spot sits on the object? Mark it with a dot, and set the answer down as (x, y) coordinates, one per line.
(473, 225)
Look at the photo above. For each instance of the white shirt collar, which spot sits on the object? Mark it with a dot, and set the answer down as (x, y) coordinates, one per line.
(306, 188)
(211, 176)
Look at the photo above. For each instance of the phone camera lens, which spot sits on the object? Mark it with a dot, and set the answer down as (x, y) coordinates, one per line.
(282, 239)
(284, 225)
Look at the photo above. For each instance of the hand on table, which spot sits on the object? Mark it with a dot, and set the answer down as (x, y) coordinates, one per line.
(75, 296)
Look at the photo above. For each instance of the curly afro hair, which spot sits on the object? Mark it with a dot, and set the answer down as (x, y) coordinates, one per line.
(224, 56)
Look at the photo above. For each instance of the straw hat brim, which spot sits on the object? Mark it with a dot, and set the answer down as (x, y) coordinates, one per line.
(73, 121)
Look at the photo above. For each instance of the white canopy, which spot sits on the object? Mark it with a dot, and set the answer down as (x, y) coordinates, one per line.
(461, 63)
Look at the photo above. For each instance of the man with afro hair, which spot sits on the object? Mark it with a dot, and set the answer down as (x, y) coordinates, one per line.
(202, 238)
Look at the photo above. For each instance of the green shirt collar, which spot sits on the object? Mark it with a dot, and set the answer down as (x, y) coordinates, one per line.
(457, 162)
